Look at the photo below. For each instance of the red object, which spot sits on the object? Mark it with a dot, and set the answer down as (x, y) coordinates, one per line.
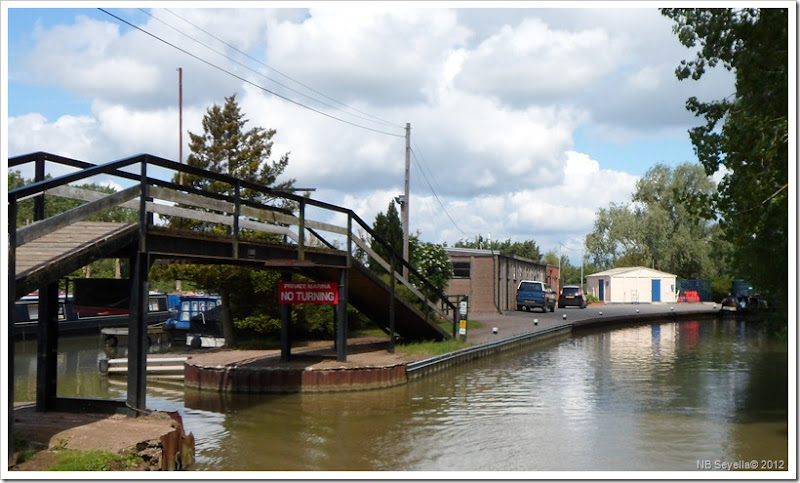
(690, 296)
(308, 293)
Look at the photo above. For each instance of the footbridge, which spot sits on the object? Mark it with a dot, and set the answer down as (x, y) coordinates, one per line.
(238, 223)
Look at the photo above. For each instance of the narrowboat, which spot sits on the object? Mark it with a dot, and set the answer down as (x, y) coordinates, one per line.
(195, 320)
(74, 320)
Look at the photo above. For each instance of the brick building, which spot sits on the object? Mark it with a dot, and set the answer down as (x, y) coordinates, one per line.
(490, 278)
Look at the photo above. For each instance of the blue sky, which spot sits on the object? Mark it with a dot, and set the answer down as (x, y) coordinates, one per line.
(525, 121)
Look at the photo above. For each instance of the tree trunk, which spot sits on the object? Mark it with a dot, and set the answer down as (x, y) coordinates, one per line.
(227, 320)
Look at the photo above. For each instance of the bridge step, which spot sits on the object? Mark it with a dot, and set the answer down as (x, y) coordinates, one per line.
(157, 367)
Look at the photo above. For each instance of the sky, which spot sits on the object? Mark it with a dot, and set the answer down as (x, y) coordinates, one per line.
(526, 117)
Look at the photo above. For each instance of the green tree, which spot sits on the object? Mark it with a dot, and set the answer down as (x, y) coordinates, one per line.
(745, 135)
(225, 147)
(675, 229)
(388, 227)
(663, 227)
(570, 274)
(615, 239)
(431, 260)
(526, 249)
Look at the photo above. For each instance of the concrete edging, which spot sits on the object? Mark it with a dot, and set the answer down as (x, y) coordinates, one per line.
(418, 369)
(284, 380)
(234, 378)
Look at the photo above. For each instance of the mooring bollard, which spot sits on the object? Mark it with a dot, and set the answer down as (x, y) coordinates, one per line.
(535, 321)
(494, 330)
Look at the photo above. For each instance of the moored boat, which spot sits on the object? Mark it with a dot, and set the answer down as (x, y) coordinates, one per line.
(76, 320)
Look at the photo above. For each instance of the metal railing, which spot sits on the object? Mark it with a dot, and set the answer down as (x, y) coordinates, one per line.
(150, 195)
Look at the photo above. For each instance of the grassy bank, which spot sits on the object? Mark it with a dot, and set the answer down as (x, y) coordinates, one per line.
(30, 458)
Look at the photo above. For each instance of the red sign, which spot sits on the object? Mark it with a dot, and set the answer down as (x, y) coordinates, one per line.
(308, 293)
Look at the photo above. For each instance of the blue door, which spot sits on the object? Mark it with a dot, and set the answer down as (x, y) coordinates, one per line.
(656, 290)
(601, 286)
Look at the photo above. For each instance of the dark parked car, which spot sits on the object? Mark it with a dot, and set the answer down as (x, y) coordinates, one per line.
(571, 295)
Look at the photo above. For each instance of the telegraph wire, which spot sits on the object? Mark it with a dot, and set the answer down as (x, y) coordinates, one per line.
(413, 152)
(210, 64)
(422, 167)
(382, 121)
(259, 73)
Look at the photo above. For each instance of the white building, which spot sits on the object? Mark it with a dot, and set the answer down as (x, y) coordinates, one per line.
(632, 285)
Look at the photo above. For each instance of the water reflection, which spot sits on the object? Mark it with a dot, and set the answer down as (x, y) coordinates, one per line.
(653, 397)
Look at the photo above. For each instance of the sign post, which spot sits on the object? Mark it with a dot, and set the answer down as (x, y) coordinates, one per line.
(462, 325)
(290, 293)
(308, 293)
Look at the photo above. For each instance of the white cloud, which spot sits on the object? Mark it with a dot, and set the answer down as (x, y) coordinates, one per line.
(548, 214)
(70, 136)
(539, 62)
(494, 98)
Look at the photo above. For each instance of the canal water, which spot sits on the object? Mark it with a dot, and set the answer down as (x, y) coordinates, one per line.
(669, 396)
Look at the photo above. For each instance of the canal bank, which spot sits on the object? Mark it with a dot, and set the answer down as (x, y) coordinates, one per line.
(158, 438)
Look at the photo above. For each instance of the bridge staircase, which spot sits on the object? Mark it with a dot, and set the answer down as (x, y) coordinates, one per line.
(250, 225)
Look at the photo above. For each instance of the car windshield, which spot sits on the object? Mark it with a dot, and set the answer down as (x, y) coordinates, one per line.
(571, 291)
(530, 287)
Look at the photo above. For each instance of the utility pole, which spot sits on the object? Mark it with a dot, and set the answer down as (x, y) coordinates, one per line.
(179, 283)
(180, 123)
(559, 266)
(405, 206)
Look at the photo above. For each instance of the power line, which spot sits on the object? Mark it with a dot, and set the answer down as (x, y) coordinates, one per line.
(435, 195)
(210, 64)
(387, 123)
(422, 168)
(255, 71)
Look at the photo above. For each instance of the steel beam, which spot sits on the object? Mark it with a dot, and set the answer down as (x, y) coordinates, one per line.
(47, 348)
(137, 335)
(341, 319)
(286, 324)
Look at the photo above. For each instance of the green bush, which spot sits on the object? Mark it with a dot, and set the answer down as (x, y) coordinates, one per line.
(72, 460)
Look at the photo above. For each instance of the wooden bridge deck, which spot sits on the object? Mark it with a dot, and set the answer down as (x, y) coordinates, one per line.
(66, 249)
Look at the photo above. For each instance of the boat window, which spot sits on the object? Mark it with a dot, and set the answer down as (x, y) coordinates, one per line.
(185, 310)
(153, 305)
(202, 306)
(194, 306)
(33, 312)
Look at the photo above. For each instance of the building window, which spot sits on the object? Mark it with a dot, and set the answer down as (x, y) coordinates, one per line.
(461, 269)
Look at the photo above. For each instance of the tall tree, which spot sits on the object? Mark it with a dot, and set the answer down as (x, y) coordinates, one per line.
(663, 227)
(745, 135)
(616, 238)
(388, 227)
(225, 147)
(428, 259)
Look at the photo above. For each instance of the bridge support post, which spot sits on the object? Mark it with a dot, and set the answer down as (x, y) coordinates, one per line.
(341, 319)
(137, 335)
(286, 324)
(47, 349)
